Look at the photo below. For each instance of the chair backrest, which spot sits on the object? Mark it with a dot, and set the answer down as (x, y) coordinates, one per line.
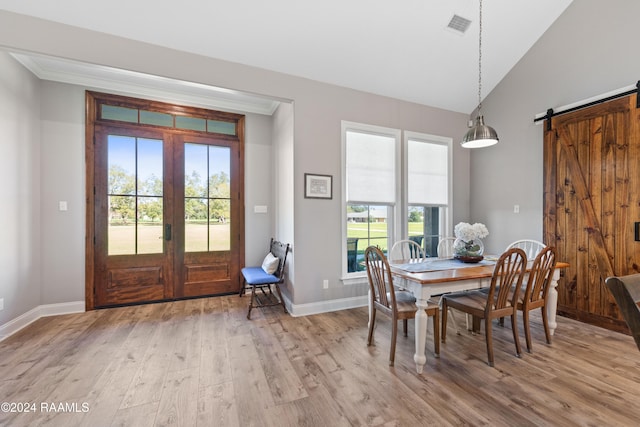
(352, 254)
(417, 239)
(445, 247)
(509, 271)
(530, 247)
(380, 280)
(279, 250)
(406, 251)
(626, 291)
(540, 275)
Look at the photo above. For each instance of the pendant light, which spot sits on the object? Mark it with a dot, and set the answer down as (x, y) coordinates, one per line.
(480, 135)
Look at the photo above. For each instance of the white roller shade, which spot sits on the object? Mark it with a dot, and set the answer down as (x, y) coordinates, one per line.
(371, 170)
(428, 171)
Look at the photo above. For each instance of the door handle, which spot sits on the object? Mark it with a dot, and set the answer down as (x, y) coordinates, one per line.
(167, 232)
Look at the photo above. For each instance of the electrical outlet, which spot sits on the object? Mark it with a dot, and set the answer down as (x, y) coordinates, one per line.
(325, 284)
(516, 208)
(1, 304)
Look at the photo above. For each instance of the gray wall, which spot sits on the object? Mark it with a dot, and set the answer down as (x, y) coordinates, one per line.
(589, 50)
(312, 226)
(20, 259)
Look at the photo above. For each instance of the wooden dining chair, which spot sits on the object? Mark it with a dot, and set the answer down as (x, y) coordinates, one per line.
(406, 251)
(395, 303)
(536, 291)
(626, 292)
(500, 301)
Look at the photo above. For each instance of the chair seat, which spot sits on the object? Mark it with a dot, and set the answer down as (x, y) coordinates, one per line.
(474, 299)
(257, 276)
(406, 302)
(520, 297)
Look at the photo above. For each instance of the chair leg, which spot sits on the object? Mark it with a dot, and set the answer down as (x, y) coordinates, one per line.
(242, 288)
(527, 331)
(516, 336)
(489, 338)
(253, 297)
(371, 325)
(405, 322)
(280, 296)
(436, 333)
(392, 350)
(444, 321)
(453, 321)
(545, 323)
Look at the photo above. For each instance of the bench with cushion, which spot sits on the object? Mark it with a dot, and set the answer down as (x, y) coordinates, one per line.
(263, 278)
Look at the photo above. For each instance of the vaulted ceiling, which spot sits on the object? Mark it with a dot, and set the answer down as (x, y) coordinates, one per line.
(402, 49)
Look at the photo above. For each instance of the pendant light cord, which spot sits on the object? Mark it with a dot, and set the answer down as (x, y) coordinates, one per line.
(480, 62)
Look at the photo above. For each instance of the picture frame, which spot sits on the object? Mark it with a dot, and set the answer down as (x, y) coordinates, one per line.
(318, 186)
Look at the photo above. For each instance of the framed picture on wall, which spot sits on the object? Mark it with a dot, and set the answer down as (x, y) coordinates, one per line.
(317, 186)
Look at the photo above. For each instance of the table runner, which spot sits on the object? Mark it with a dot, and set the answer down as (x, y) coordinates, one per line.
(436, 264)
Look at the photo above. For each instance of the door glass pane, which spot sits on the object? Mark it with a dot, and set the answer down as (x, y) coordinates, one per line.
(196, 225)
(219, 230)
(134, 170)
(122, 231)
(207, 198)
(149, 167)
(149, 225)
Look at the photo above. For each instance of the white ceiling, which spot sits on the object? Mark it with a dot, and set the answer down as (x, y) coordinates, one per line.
(401, 49)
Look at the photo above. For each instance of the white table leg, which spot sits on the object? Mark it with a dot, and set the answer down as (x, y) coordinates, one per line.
(552, 302)
(421, 334)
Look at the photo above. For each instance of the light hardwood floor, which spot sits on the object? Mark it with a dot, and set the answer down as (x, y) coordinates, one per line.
(202, 363)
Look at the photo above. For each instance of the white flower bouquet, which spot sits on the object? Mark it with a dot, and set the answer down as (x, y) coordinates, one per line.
(467, 232)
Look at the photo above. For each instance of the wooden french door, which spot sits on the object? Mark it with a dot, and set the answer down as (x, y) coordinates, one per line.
(167, 216)
(592, 203)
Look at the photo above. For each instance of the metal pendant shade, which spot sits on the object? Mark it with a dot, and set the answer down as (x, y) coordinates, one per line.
(480, 135)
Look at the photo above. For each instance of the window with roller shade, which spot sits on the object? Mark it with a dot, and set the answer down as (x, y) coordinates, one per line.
(396, 186)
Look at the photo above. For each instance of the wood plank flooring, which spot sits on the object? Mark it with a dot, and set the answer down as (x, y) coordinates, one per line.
(202, 363)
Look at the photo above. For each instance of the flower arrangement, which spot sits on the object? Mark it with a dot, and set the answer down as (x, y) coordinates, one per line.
(468, 243)
(467, 232)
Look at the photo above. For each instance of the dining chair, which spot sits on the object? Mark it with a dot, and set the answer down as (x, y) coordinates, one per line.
(352, 254)
(536, 291)
(626, 292)
(530, 247)
(445, 247)
(395, 303)
(406, 251)
(500, 301)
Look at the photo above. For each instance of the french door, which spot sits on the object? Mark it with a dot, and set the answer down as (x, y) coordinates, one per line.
(167, 205)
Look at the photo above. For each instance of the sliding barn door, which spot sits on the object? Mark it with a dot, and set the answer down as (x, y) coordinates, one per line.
(592, 201)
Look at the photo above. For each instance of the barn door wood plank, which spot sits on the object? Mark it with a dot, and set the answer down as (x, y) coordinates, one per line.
(582, 193)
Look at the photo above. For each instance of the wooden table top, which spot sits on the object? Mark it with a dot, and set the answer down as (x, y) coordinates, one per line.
(452, 275)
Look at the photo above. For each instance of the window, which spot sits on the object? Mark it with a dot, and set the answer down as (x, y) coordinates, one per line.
(374, 197)
(371, 165)
(428, 170)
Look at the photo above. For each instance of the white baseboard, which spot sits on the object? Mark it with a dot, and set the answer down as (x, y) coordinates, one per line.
(325, 306)
(13, 326)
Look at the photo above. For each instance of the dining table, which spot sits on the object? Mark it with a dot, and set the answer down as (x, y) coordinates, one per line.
(437, 276)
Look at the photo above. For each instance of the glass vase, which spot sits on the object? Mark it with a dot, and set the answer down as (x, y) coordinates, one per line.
(468, 250)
